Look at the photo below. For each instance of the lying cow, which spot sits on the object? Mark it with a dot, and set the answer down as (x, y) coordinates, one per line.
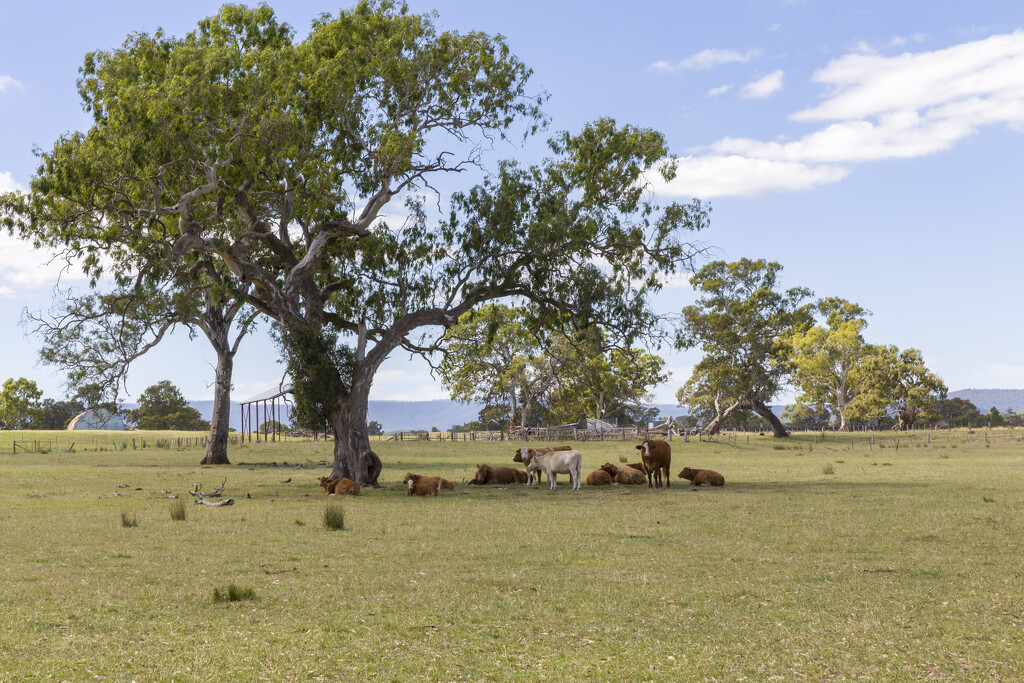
(421, 489)
(486, 474)
(340, 486)
(657, 457)
(599, 478)
(702, 477)
(440, 482)
(624, 475)
(555, 463)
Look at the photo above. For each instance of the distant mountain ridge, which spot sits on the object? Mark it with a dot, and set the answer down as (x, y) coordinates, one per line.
(985, 399)
(443, 413)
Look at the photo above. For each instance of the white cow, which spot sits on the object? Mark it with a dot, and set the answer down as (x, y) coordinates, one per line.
(555, 463)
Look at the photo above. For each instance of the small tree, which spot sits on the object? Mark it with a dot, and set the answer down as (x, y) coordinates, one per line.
(272, 427)
(827, 358)
(741, 323)
(19, 404)
(897, 383)
(374, 428)
(162, 406)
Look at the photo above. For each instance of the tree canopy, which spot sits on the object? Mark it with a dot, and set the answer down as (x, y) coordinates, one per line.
(299, 173)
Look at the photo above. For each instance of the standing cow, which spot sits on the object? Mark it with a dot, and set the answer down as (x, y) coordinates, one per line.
(555, 463)
(657, 458)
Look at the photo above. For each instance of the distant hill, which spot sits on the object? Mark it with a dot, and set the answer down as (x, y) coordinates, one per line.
(443, 413)
(985, 399)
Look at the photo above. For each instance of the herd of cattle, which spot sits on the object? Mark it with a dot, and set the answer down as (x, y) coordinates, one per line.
(655, 460)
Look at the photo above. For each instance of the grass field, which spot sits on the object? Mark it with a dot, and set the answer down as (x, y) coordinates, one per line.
(842, 559)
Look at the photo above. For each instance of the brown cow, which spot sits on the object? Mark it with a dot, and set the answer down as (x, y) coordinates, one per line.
(339, 486)
(422, 489)
(599, 478)
(624, 475)
(702, 477)
(486, 474)
(441, 482)
(657, 457)
(638, 466)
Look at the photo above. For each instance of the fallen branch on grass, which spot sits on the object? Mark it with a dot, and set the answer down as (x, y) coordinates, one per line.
(201, 497)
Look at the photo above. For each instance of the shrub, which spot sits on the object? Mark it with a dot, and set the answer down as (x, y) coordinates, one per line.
(178, 511)
(233, 594)
(128, 521)
(334, 515)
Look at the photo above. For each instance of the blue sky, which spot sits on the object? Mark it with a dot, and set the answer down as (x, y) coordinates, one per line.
(872, 148)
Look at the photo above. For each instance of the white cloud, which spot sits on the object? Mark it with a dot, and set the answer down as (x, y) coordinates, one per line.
(22, 266)
(675, 280)
(739, 176)
(706, 59)
(8, 82)
(876, 107)
(720, 90)
(765, 86)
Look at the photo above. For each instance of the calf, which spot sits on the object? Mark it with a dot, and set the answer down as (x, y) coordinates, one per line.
(441, 482)
(422, 489)
(624, 475)
(486, 474)
(657, 457)
(340, 486)
(599, 478)
(555, 463)
(702, 477)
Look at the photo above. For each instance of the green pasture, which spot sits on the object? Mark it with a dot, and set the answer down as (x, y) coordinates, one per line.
(819, 560)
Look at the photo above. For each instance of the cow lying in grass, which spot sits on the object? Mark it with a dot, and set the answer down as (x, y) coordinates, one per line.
(555, 463)
(486, 474)
(657, 457)
(624, 475)
(339, 487)
(421, 489)
(599, 478)
(440, 482)
(702, 477)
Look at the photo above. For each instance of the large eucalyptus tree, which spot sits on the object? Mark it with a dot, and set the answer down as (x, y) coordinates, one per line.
(316, 172)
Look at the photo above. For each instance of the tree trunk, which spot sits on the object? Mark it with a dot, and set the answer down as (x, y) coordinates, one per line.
(764, 411)
(220, 423)
(353, 457)
(715, 426)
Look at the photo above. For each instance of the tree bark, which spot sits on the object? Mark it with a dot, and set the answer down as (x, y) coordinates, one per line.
(220, 423)
(353, 457)
(778, 430)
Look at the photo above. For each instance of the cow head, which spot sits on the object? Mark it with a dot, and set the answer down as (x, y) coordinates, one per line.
(688, 473)
(520, 454)
(645, 449)
(611, 469)
(481, 472)
(409, 477)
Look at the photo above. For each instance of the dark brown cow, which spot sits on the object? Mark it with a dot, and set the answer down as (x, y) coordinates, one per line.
(624, 475)
(599, 478)
(702, 477)
(440, 482)
(486, 474)
(657, 457)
